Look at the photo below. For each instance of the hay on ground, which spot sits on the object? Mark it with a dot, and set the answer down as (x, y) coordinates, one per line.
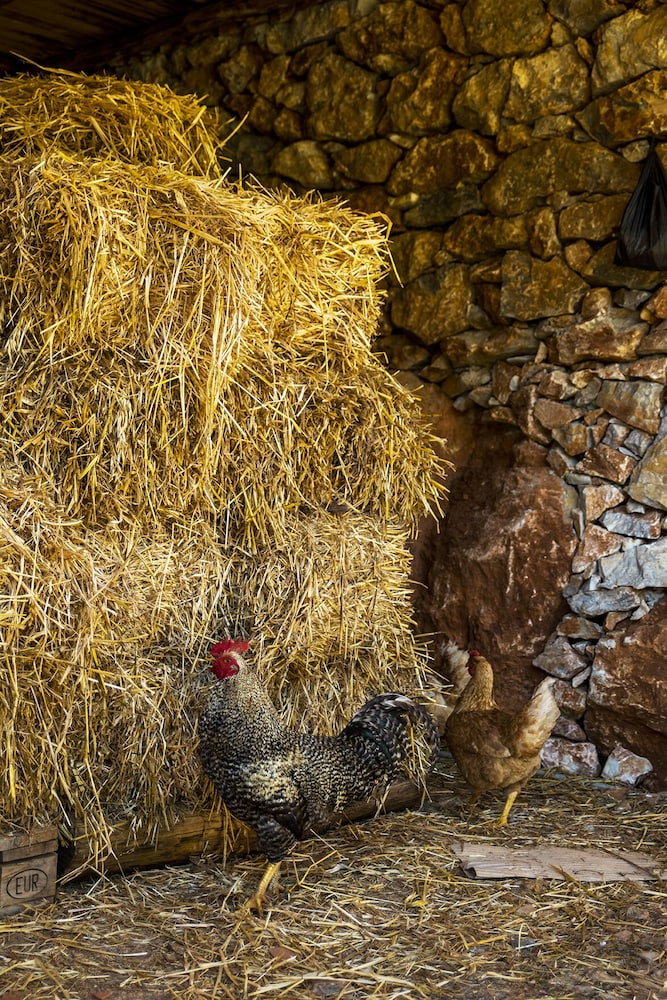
(379, 909)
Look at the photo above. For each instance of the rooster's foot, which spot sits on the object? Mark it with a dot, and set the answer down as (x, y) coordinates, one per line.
(256, 903)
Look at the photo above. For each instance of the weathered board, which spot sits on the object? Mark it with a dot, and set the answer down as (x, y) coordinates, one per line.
(583, 864)
(196, 834)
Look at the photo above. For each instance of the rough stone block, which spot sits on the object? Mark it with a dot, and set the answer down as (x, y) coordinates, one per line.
(559, 659)
(553, 82)
(571, 758)
(533, 287)
(636, 403)
(626, 766)
(642, 566)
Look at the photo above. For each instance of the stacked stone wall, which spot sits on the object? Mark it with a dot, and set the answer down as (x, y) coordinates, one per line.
(502, 138)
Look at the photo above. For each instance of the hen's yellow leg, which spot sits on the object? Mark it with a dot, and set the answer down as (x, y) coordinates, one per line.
(509, 802)
(257, 901)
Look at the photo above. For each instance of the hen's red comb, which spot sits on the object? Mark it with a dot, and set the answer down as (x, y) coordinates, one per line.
(229, 646)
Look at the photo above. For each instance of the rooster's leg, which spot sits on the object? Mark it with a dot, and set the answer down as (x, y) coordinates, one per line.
(509, 802)
(257, 901)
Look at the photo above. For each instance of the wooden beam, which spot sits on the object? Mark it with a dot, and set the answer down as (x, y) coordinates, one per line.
(195, 834)
(198, 23)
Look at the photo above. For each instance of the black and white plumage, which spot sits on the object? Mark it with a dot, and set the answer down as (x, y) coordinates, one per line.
(283, 782)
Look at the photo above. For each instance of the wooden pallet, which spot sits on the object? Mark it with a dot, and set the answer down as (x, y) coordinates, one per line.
(28, 866)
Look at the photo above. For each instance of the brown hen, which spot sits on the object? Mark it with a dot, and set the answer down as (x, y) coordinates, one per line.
(493, 748)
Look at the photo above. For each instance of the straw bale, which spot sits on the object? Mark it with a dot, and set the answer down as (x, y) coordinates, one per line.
(100, 116)
(95, 704)
(196, 440)
(102, 667)
(332, 607)
(171, 342)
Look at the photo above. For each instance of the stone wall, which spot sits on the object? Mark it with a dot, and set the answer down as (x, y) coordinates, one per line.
(502, 138)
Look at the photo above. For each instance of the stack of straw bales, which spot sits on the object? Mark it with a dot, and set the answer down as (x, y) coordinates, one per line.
(196, 440)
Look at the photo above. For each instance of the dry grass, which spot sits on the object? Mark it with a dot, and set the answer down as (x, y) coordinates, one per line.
(173, 344)
(378, 909)
(100, 116)
(196, 439)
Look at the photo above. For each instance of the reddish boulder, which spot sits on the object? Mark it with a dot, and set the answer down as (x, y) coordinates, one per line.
(494, 575)
(627, 701)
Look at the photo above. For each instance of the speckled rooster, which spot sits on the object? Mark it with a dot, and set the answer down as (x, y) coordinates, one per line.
(282, 782)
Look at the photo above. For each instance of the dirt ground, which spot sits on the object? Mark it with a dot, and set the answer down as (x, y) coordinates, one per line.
(377, 909)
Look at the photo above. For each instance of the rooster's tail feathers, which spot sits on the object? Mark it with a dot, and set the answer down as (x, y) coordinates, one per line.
(373, 716)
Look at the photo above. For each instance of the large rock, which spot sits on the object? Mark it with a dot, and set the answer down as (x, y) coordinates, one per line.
(479, 102)
(305, 162)
(634, 525)
(591, 601)
(474, 237)
(655, 341)
(443, 161)
(598, 499)
(440, 207)
(238, 69)
(313, 24)
(506, 27)
(531, 175)
(343, 100)
(627, 700)
(369, 162)
(436, 305)
(485, 347)
(641, 566)
(414, 253)
(551, 83)
(635, 403)
(614, 336)
(391, 38)
(596, 542)
(532, 287)
(648, 484)
(560, 659)
(629, 47)
(625, 766)
(592, 219)
(501, 560)
(632, 112)
(571, 758)
(606, 463)
(583, 16)
(600, 269)
(420, 100)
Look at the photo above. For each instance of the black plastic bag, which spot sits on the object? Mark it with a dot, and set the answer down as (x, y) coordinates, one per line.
(643, 232)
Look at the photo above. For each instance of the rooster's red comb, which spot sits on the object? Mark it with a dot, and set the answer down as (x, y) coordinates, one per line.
(229, 646)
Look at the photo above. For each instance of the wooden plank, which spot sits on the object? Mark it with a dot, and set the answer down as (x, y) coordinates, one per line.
(21, 838)
(195, 834)
(195, 23)
(191, 835)
(482, 860)
(31, 851)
